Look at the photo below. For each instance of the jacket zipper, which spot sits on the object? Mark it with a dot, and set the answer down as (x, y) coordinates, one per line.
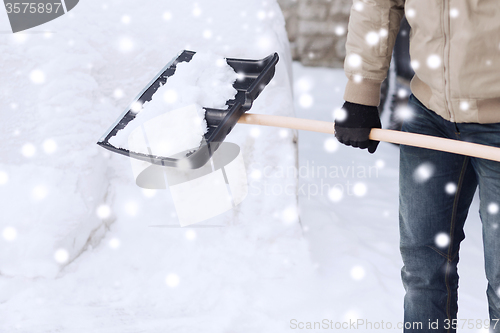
(446, 59)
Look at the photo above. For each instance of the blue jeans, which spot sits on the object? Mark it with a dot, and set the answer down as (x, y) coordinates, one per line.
(435, 193)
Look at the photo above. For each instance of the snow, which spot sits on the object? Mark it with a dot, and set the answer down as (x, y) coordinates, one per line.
(174, 120)
(294, 255)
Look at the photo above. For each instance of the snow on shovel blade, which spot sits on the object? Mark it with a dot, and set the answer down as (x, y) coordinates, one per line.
(255, 75)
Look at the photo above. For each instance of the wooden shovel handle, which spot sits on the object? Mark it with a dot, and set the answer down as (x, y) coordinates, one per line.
(404, 138)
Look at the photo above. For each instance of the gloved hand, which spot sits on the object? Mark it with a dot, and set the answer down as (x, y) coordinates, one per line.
(355, 128)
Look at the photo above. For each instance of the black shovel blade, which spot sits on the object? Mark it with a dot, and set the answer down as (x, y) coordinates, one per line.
(254, 75)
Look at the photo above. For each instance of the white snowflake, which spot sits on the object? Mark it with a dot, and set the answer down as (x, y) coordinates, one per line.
(125, 44)
(167, 16)
(423, 172)
(118, 93)
(433, 61)
(290, 215)
(256, 174)
(172, 280)
(450, 188)
(49, 146)
(339, 30)
(454, 12)
(61, 256)
(4, 177)
(331, 145)
(335, 194)
(131, 208)
(410, 12)
(380, 163)
(339, 114)
(9, 234)
(493, 208)
(255, 132)
(125, 19)
(372, 38)
(306, 100)
(148, 193)
(170, 96)
(354, 60)
(464, 105)
(28, 150)
(358, 272)
(37, 76)
(360, 189)
(103, 211)
(442, 240)
(190, 234)
(415, 64)
(304, 84)
(40, 192)
(114, 243)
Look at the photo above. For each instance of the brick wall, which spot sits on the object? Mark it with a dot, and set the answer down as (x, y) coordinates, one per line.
(317, 30)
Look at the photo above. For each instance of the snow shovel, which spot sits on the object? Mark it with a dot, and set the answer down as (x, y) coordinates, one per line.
(257, 74)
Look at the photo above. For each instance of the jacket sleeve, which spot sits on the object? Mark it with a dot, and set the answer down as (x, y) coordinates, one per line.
(372, 30)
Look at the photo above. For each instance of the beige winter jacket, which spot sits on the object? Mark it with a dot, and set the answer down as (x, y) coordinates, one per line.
(454, 48)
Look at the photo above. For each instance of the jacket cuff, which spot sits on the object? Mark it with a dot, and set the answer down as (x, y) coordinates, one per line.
(365, 92)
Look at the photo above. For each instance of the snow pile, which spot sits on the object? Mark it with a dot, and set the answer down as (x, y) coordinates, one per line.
(174, 119)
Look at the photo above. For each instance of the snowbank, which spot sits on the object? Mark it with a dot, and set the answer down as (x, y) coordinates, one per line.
(76, 211)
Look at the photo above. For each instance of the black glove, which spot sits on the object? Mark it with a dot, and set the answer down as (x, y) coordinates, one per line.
(355, 128)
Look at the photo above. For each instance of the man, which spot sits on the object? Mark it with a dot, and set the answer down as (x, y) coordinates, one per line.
(455, 52)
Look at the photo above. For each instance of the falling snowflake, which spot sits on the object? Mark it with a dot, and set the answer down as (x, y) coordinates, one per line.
(103, 211)
(9, 234)
(125, 19)
(131, 208)
(170, 96)
(372, 38)
(28, 150)
(61, 256)
(454, 12)
(172, 280)
(196, 11)
(339, 30)
(290, 215)
(360, 189)
(125, 44)
(261, 15)
(49, 146)
(339, 114)
(415, 64)
(207, 34)
(442, 240)
(37, 76)
(358, 6)
(148, 193)
(410, 12)
(256, 174)
(493, 208)
(354, 60)
(331, 145)
(464, 105)
(4, 177)
(335, 194)
(358, 272)
(136, 107)
(403, 113)
(304, 84)
(450, 188)
(255, 132)
(39, 192)
(433, 61)
(190, 234)
(423, 172)
(283, 133)
(380, 163)
(167, 16)
(402, 93)
(118, 93)
(114, 243)
(306, 100)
